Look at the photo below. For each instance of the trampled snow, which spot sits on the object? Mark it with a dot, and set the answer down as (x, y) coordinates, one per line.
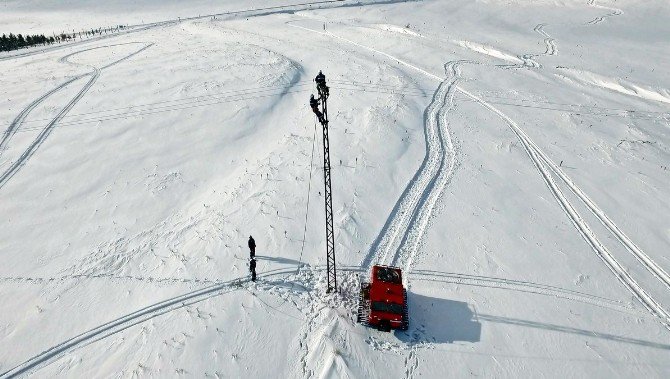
(510, 156)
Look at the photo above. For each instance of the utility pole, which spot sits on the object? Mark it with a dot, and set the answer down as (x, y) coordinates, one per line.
(322, 115)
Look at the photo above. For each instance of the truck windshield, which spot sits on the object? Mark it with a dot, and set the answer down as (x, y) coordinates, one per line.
(388, 275)
(381, 306)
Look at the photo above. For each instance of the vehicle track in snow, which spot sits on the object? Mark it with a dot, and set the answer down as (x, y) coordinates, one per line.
(545, 166)
(418, 223)
(393, 237)
(115, 326)
(423, 275)
(550, 43)
(268, 280)
(15, 166)
(644, 259)
(15, 125)
(613, 12)
(528, 59)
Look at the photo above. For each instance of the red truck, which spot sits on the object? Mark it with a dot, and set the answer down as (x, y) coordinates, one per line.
(383, 301)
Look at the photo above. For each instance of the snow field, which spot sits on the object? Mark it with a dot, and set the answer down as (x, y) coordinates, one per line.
(509, 157)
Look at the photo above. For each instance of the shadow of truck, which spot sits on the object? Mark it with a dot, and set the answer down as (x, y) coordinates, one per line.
(440, 321)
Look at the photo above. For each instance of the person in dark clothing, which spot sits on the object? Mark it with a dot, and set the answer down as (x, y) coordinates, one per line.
(320, 79)
(252, 247)
(321, 84)
(252, 268)
(314, 104)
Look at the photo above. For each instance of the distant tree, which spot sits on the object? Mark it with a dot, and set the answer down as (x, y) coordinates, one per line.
(11, 44)
(20, 41)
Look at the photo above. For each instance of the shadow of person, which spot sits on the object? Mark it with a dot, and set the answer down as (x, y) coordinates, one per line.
(440, 321)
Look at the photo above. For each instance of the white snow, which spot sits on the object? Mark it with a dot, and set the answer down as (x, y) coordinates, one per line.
(510, 156)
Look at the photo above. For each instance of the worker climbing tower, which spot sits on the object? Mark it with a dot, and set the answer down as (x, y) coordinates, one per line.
(322, 116)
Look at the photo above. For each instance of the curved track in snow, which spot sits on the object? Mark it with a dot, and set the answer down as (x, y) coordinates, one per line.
(15, 166)
(613, 12)
(406, 224)
(541, 161)
(549, 42)
(213, 289)
(115, 326)
(418, 223)
(15, 125)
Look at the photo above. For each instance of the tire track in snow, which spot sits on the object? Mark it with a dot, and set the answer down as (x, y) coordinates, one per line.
(124, 322)
(643, 258)
(528, 59)
(107, 329)
(599, 19)
(15, 166)
(66, 58)
(18, 120)
(541, 161)
(413, 235)
(550, 43)
(32, 148)
(102, 331)
(403, 217)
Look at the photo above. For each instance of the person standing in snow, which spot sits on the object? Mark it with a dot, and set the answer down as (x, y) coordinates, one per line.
(252, 268)
(252, 247)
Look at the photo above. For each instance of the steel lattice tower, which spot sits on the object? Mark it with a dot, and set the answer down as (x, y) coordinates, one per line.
(322, 115)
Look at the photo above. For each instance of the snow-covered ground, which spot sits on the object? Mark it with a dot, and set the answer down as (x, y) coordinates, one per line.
(510, 156)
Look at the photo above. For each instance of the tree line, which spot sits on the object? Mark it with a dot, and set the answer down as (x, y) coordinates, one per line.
(13, 42)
